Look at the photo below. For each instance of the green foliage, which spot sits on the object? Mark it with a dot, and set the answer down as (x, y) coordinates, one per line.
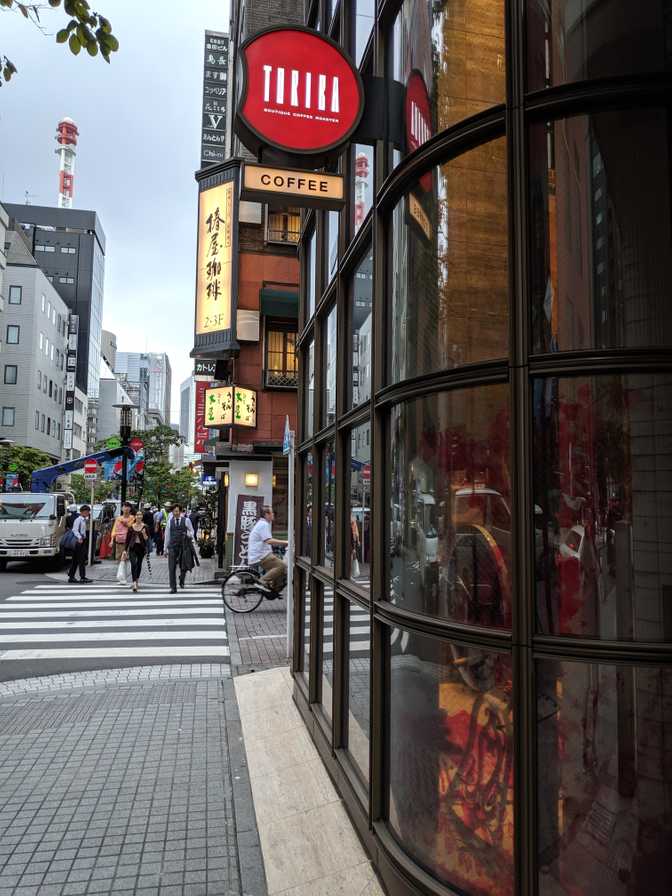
(85, 29)
(157, 442)
(81, 489)
(163, 484)
(25, 459)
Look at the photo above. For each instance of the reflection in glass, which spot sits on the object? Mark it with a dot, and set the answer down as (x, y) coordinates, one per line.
(359, 680)
(329, 411)
(603, 506)
(308, 498)
(359, 557)
(449, 245)
(362, 160)
(449, 58)
(365, 11)
(332, 225)
(361, 303)
(576, 40)
(450, 506)
(329, 503)
(327, 649)
(311, 275)
(309, 419)
(451, 761)
(605, 802)
(305, 665)
(601, 230)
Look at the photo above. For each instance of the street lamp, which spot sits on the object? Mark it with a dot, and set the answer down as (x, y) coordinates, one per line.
(125, 420)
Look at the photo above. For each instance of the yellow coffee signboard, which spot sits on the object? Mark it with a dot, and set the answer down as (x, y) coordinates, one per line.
(215, 258)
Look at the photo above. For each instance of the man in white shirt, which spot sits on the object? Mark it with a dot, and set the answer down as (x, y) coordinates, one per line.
(80, 550)
(260, 550)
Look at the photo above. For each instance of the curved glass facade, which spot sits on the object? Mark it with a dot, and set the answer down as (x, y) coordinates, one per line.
(483, 597)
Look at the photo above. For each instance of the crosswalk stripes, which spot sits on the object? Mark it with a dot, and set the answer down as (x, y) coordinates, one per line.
(107, 621)
(359, 629)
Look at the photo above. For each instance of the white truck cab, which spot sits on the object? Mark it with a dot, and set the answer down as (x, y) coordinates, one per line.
(32, 525)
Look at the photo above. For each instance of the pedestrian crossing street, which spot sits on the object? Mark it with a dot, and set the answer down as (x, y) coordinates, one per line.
(108, 621)
(359, 630)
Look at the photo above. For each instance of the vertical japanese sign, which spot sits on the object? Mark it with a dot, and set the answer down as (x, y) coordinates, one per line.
(215, 75)
(201, 432)
(70, 369)
(228, 405)
(248, 511)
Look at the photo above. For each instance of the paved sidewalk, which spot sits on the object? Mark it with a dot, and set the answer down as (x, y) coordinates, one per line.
(258, 640)
(106, 571)
(126, 781)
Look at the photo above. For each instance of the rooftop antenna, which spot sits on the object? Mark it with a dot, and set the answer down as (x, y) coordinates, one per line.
(29, 196)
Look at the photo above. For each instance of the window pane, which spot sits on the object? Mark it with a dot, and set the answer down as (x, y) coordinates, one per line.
(365, 11)
(305, 664)
(10, 374)
(329, 409)
(605, 804)
(14, 295)
(364, 182)
(601, 230)
(449, 244)
(449, 57)
(359, 558)
(603, 499)
(308, 498)
(450, 517)
(12, 335)
(328, 649)
(8, 416)
(359, 682)
(311, 276)
(361, 303)
(310, 392)
(275, 351)
(328, 503)
(451, 761)
(332, 223)
(574, 40)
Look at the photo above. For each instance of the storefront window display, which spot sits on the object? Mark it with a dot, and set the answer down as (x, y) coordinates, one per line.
(359, 559)
(361, 305)
(359, 682)
(574, 40)
(448, 242)
(329, 404)
(308, 499)
(451, 761)
(604, 805)
(328, 503)
(450, 506)
(601, 229)
(449, 58)
(602, 496)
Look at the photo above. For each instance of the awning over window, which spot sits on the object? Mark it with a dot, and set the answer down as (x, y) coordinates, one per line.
(279, 303)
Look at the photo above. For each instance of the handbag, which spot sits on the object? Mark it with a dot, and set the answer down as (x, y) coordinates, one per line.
(122, 572)
(69, 541)
(354, 567)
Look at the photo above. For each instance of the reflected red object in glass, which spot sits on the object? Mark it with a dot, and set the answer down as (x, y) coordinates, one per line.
(418, 119)
(301, 93)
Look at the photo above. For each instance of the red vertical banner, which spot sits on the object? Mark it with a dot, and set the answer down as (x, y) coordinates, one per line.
(201, 432)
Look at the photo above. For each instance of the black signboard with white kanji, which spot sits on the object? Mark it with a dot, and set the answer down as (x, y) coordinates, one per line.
(215, 77)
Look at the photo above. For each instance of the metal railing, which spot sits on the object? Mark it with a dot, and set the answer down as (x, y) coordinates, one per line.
(286, 379)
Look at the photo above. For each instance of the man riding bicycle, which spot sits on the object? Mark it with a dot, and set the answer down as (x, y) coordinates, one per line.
(260, 551)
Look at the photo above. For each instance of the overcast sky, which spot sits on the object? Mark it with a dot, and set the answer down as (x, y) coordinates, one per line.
(139, 124)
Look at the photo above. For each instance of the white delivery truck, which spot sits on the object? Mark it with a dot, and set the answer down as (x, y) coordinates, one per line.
(32, 525)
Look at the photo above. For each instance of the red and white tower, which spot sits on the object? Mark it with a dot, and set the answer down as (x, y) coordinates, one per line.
(66, 137)
(361, 186)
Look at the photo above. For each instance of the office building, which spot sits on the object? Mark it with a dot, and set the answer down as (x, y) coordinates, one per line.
(108, 348)
(108, 417)
(159, 374)
(4, 223)
(69, 246)
(35, 328)
(187, 406)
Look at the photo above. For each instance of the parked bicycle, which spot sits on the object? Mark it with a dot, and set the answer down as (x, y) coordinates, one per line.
(243, 591)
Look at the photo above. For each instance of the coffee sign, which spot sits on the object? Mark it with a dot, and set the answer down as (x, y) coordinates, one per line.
(301, 94)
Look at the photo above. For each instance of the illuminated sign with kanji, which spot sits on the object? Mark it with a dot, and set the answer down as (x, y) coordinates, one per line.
(215, 259)
(230, 405)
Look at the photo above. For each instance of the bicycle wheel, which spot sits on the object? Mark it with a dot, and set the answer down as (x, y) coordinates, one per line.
(240, 592)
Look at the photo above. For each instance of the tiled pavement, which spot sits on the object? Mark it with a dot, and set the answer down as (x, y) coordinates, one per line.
(258, 640)
(126, 781)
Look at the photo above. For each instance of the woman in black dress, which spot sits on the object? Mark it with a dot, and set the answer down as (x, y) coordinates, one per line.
(136, 548)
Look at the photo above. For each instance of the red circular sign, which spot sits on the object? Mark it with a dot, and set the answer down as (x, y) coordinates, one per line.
(136, 444)
(418, 118)
(90, 466)
(301, 94)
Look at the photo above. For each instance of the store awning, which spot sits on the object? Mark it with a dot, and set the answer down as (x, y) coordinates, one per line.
(279, 303)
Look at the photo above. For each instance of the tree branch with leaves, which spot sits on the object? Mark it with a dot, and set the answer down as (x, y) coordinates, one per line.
(86, 30)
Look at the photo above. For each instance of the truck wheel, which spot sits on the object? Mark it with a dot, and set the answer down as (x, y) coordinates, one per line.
(3, 565)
